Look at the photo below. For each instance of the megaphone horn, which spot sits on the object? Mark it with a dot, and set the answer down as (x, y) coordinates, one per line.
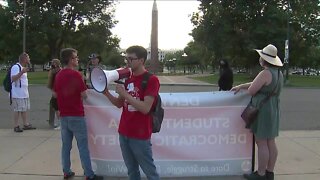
(100, 78)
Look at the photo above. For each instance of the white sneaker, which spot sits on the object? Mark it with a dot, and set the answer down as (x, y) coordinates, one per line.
(57, 128)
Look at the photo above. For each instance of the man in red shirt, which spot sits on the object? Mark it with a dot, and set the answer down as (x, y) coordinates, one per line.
(70, 90)
(135, 127)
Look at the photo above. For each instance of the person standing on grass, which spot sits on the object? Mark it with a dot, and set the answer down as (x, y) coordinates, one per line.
(70, 90)
(20, 93)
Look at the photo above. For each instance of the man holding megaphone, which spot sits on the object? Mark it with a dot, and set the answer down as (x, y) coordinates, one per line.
(135, 126)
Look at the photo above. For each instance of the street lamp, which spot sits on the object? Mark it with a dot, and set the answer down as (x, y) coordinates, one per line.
(169, 64)
(184, 55)
(24, 26)
(286, 46)
(174, 65)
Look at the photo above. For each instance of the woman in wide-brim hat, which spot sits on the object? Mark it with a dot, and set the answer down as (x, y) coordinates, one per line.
(268, 83)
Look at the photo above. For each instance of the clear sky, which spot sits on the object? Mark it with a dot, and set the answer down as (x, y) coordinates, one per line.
(174, 25)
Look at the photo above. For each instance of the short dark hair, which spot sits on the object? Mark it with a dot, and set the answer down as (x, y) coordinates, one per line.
(139, 51)
(22, 55)
(66, 54)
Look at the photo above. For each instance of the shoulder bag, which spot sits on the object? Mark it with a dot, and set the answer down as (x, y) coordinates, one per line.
(250, 113)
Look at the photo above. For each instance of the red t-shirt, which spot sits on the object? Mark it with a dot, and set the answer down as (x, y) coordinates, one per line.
(68, 85)
(133, 123)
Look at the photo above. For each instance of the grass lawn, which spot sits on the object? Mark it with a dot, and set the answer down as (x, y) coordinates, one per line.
(213, 78)
(41, 77)
(294, 80)
(304, 81)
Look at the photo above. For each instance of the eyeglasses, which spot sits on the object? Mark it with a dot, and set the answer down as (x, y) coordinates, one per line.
(131, 58)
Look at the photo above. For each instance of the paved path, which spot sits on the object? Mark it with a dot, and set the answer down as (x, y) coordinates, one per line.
(35, 155)
(300, 106)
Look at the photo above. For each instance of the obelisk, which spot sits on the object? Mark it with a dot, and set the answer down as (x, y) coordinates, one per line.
(154, 61)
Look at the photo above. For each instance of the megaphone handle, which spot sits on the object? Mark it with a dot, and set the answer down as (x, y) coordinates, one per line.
(119, 82)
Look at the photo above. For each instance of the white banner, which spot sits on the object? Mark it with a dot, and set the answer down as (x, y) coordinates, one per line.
(202, 135)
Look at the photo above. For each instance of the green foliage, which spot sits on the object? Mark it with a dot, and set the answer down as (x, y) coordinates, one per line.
(213, 79)
(172, 60)
(10, 40)
(55, 24)
(114, 59)
(198, 54)
(41, 78)
(232, 29)
(294, 80)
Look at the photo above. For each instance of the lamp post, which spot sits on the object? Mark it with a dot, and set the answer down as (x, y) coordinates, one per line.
(174, 65)
(286, 46)
(184, 55)
(24, 27)
(169, 64)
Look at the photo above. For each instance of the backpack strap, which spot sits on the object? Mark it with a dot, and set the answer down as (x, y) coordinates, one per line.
(19, 71)
(144, 83)
(10, 93)
(145, 80)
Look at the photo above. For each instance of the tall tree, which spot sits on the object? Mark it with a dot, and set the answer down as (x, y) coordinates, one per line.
(10, 35)
(54, 24)
(235, 28)
(199, 56)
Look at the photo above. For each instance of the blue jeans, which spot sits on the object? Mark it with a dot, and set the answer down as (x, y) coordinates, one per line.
(137, 153)
(75, 126)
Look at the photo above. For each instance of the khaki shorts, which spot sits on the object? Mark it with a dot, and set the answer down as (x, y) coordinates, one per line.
(20, 104)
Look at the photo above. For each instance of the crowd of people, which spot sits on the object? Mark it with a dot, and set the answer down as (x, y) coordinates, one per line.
(135, 128)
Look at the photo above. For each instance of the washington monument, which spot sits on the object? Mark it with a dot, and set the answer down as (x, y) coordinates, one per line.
(154, 61)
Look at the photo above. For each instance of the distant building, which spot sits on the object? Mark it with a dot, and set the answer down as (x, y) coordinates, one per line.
(161, 53)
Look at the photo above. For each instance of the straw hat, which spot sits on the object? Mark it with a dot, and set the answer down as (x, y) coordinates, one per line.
(269, 54)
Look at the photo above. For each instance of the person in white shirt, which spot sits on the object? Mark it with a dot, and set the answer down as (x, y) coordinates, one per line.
(20, 93)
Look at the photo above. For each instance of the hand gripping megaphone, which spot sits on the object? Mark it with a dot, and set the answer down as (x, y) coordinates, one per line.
(101, 78)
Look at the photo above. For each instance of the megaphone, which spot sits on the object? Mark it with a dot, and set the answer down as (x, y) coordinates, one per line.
(100, 78)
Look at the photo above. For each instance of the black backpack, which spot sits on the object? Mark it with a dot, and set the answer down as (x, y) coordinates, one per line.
(7, 83)
(157, 112)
